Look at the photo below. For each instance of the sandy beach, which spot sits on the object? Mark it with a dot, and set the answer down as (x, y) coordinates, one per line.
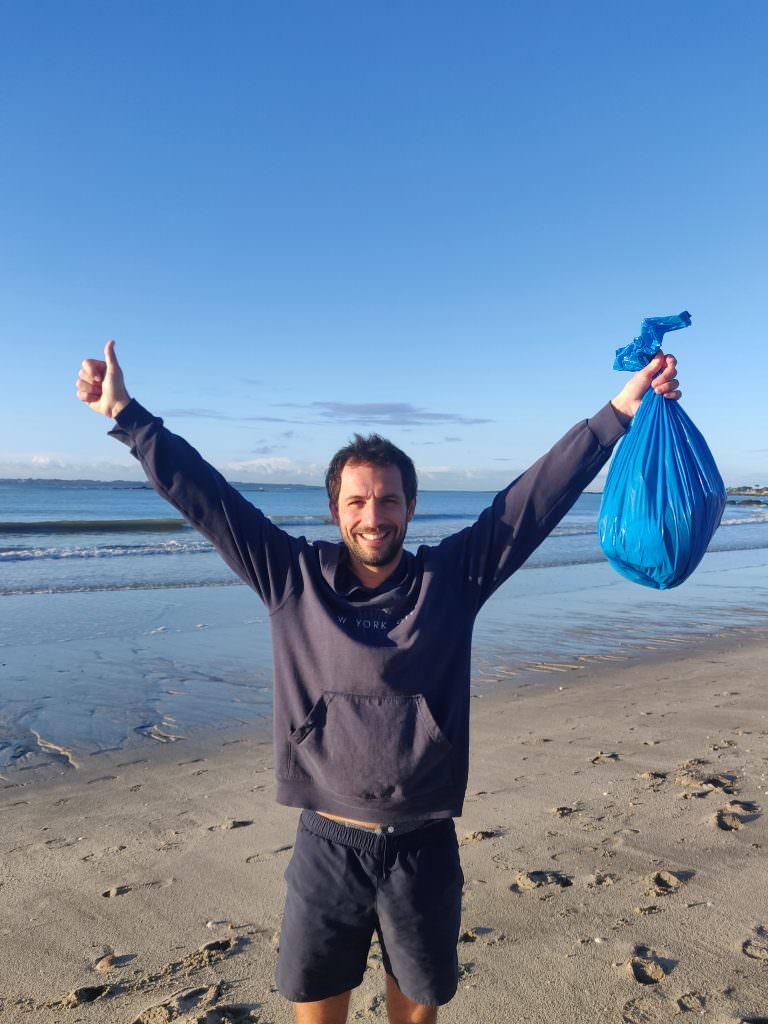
(614, 847)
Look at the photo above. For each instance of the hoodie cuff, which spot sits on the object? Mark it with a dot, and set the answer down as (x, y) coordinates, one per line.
(608, 425)
(129, 420)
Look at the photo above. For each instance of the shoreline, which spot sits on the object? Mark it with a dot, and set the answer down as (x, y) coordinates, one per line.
(154, 746)
(139, 670)
(614, 831)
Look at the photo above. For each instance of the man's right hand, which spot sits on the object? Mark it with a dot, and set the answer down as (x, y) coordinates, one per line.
(100, 384)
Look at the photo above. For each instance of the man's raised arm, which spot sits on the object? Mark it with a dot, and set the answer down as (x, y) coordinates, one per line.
(262, 555)
(525, 513)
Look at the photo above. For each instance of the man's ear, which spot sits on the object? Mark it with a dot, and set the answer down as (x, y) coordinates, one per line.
(410, 511)
(334, 509)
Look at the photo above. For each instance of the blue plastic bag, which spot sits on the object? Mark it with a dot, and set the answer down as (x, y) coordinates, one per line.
(664, 496)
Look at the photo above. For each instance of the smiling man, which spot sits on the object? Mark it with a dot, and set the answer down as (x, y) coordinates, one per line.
(371, 651)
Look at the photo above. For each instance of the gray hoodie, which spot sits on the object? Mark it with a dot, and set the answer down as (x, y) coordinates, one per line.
(371, 687)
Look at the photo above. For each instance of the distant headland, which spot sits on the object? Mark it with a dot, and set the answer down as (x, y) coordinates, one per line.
(746, 495)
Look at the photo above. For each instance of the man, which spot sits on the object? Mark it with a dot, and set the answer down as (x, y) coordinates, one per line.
(371, 648)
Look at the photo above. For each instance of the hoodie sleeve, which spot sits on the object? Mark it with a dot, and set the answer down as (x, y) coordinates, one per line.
(263, 556)
(525, 513)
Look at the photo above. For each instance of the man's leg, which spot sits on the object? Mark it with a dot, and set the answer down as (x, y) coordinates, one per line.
(324, 1011)
(419, 917)
(402, 1010)
(328, 921)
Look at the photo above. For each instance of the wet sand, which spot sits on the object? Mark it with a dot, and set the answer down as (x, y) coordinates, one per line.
(614, 846)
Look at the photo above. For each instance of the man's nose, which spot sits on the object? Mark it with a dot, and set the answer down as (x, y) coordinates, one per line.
(374, 513)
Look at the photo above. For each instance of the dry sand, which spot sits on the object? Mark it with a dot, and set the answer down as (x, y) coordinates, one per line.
(614, 849)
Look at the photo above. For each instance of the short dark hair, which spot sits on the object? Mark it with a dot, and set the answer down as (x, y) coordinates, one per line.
(372, 450)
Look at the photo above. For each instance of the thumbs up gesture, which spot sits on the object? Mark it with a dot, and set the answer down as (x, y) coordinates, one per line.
(100, 384)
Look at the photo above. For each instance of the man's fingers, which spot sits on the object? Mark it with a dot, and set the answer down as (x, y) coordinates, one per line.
(88, 389)
(93, 370)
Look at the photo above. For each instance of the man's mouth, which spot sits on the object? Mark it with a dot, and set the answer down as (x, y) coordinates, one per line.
(373, 536)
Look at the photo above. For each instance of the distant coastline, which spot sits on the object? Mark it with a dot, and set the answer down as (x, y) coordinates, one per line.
(142, 485)
(745, 491)
(747, 495)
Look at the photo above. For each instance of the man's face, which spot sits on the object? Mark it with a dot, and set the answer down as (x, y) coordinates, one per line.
(372, 514)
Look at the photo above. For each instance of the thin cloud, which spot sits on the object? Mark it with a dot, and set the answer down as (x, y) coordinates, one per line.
(198, 414)
(211, 414)
(267, 449)
(445, 440)
(283, 469)
(392, 414)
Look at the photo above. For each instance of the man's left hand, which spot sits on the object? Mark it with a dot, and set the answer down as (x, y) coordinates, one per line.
(659, 374)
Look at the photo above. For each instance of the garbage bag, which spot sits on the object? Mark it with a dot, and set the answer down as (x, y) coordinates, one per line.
(664, 497)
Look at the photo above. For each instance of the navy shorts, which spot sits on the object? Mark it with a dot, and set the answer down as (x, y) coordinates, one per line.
(345, 883)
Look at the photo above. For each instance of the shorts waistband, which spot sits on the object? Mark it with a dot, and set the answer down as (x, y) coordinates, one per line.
(362, 837)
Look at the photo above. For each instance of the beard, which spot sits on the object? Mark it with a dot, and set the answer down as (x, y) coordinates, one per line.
(382, 556)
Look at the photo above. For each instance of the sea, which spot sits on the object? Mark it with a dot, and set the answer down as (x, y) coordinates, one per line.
(120, 625)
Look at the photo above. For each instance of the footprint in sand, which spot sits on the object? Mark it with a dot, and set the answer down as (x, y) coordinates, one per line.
(599, 880)
(122, 890)
(227, 826)
(476, 837)
(652, 1009)
(664, 883)
(649, 967)
(527, 881)
(736, 815)
(692, 1001)
(189, 1002)
(83, 995)
(116, 890)
(603, 758)
(473, 934)
(757, 947)
(695, 774)
(197, 1006)
(565, 812)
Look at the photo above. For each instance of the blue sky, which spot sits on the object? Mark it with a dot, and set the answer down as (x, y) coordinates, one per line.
(437, 220)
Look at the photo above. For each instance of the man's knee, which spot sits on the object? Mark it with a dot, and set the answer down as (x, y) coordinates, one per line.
(324, 1011)
(402, 1010)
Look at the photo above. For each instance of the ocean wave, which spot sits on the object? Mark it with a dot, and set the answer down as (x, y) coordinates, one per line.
(171, 547)
(94, 526)
(743, 520)
(97, 588)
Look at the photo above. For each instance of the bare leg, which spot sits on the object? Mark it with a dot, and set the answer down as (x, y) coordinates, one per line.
(402, 1010)
(325, 1011)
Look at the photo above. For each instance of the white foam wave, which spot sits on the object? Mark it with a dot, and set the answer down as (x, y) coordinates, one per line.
(171, 547)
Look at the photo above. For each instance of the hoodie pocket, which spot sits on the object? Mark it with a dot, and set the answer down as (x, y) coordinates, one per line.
(372, 748)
